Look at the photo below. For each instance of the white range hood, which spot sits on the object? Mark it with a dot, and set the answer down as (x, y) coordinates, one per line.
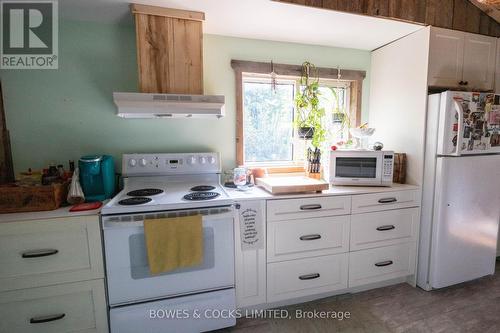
(140, 105)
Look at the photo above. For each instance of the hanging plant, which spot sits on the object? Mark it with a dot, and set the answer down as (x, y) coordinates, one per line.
(339, 112)
(309, 114)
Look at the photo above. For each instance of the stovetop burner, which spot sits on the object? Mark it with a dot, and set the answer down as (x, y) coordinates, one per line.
(134, 201)
(203, 188)
(144, 192)
(197, 196)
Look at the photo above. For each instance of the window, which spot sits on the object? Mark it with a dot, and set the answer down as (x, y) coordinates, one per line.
(268, 132)
(266, 135)
(268, 120)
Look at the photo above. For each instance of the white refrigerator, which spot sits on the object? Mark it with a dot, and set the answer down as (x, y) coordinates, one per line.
(461, 189)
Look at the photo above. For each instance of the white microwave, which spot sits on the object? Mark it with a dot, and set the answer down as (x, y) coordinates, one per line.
(360, 167)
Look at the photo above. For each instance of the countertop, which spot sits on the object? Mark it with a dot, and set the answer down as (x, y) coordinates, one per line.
(49, 214)
(255, 192)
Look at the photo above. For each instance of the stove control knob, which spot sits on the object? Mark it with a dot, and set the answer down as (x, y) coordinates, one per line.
(132, 162)
(191, 160)
(211, 160)
(203, 160)
(143, 162)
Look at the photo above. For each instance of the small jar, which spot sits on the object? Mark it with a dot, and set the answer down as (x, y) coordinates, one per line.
(240, 176)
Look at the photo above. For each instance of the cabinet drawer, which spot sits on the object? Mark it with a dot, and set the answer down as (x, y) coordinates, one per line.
(304, 277)
(68, 307)
(45, 252)
(286, 209)
(383, 263)
(305, 238)
(383, 228)
(384, 201)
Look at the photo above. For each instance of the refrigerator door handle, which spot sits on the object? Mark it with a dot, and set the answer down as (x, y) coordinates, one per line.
(460, 128)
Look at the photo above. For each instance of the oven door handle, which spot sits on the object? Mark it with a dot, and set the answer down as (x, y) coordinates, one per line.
(110, 224)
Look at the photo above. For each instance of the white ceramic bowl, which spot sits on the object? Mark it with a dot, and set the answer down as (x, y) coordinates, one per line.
(362, 132)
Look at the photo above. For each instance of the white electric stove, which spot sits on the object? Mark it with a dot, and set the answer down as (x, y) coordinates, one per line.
(154, 182)
(158, 186)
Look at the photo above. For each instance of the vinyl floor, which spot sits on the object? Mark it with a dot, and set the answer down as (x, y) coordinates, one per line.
(469, 307)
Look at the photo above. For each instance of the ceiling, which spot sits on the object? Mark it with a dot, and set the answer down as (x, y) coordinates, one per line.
(490, 7)
(260, 19)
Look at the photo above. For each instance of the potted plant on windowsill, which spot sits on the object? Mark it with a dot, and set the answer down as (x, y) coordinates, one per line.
(309, 113)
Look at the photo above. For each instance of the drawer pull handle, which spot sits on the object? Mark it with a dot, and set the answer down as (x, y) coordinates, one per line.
(309, 237)
(384, 263)
(39, 253)
(46, 319)
(310, 207)
(387, 200)
(309, 276)
(386, 227)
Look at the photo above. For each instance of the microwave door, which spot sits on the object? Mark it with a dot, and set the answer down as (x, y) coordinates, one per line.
(362, 170)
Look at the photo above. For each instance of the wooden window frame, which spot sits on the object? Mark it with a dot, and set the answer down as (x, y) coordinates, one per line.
(240, 67)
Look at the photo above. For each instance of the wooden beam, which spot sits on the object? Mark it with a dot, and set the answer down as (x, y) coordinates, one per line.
(490, 8)
(463, 15)
(167, 12)
(295, 70)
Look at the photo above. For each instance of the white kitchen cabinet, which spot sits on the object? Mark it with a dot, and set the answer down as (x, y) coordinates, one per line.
(43, 252)
(304, 238)
(338, 244)
(250, 264)
(304, 277)
(69, 307)
(374, 202)
(446, 57)
(52, 276)
(461, 60)
(380, 264)
(479, 61)
(289, 209)
(377, 229)
(497, 68)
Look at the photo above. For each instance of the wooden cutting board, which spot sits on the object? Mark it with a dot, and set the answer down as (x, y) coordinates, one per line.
(281, 185)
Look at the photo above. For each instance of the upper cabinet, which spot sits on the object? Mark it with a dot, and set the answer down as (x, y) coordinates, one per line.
(461, 60)
(446, 57)
(169, 50)
(479, 61)
(497, 88)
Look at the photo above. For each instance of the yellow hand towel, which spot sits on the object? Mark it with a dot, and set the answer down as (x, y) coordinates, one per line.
(173, 243)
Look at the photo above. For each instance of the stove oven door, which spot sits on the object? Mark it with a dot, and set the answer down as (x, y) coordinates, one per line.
(128, 276)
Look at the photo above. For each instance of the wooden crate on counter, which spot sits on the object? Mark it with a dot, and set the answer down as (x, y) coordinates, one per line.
(20, 198)
(399, 168)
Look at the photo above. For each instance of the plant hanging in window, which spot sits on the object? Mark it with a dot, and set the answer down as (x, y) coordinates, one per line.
(309, 114)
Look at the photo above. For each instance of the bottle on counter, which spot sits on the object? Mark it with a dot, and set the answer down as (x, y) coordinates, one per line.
(60, 170)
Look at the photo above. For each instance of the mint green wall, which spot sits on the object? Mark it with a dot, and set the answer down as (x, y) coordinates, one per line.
(57, 115)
